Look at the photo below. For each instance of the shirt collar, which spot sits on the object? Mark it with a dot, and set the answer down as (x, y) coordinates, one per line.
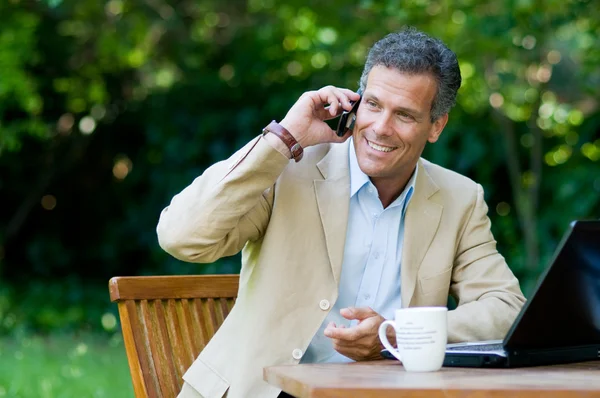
(358, 178)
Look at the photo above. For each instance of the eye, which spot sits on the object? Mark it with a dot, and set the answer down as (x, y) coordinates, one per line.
(372, 104)
(405, 116)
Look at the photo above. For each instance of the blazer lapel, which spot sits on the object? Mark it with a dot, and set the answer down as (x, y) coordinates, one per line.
(333, 200)
(420, 226)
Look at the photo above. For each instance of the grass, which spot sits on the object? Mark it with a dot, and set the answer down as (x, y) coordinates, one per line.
(64, 366)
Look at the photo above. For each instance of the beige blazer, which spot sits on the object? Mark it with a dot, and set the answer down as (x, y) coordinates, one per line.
(290, 220)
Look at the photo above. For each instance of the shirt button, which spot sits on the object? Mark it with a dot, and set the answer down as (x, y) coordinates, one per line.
(324, 305)
(297, 353)
(376, 255)
(367, 296)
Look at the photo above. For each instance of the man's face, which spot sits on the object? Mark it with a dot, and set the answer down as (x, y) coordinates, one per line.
(393, 123)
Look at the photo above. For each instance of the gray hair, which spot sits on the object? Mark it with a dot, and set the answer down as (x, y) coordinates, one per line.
(414, 52)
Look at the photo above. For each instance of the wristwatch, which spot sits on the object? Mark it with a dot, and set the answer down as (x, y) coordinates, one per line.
(287, 138)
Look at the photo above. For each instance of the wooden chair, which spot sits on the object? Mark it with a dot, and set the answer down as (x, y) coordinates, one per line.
(166, 321)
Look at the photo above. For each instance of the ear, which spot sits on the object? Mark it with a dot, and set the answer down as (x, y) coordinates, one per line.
(437, 127)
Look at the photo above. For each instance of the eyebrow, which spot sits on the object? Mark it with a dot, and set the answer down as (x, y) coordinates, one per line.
(414, 112)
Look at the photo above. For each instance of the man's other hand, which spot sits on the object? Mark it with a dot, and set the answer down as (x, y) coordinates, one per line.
(360, 342)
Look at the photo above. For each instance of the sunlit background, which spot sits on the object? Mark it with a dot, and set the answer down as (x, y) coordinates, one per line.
(109, 108)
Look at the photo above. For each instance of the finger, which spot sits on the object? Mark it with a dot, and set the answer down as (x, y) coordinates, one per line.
(336, 98)
(324, 110)
(350, 98)
(347, 334)
(358, 313)
(334, 104)
(343, 344)
(345, 97)
(330, 326)
(328, 100)
(332, 99)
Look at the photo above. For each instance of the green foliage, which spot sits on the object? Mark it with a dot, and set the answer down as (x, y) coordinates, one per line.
(109, 108)
(48, 305)
(63, 365)
(18, 85)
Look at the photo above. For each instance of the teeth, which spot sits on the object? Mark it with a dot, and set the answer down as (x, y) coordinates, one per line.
(380, 148)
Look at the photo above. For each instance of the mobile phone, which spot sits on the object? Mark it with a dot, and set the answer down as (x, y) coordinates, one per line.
(347, 119)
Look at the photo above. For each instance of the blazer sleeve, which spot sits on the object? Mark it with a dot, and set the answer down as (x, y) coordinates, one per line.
(227, 206)
(487, 292)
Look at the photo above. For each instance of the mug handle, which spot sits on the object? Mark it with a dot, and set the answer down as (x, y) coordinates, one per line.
(385, 341)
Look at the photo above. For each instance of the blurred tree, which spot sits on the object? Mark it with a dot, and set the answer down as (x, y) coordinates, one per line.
(109, 108)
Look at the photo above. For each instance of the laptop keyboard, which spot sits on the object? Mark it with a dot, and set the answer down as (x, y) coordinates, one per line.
(477, 347)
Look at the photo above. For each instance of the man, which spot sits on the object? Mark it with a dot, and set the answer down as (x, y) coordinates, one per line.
(349, 230)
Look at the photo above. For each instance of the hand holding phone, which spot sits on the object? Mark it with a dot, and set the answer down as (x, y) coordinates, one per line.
(347, 120)
(307, 118)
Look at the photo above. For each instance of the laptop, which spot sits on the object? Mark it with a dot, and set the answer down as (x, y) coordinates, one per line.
(561, 321)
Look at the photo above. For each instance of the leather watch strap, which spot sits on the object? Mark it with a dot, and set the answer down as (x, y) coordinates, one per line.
(287, 138)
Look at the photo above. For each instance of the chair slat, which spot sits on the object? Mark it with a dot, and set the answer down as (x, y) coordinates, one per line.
(185, 334)
(166, 322)
(176, 338)
(202, 324)
(219, 314)
(169, 364)
(230, 303)
(141, 344)
(190, 328)
(157, 355)
(127, 316)
(224, 310)
(212, 315)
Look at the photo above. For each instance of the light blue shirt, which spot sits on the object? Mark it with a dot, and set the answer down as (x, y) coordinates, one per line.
(372, 257)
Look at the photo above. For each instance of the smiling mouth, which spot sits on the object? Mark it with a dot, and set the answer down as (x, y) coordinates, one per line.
(381, 148)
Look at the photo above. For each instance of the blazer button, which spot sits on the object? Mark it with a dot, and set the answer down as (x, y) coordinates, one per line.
(324, 305)
(297, 353)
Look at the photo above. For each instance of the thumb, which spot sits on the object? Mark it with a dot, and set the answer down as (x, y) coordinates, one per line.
(360, 313)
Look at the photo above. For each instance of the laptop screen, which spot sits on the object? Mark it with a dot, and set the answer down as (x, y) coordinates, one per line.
(564, 309)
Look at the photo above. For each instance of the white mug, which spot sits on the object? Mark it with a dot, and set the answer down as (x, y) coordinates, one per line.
(421, 337)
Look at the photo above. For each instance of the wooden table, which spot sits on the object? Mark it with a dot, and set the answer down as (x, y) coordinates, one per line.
(387, 378)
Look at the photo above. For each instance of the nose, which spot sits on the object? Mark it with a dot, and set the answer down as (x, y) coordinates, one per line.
(383, 124)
